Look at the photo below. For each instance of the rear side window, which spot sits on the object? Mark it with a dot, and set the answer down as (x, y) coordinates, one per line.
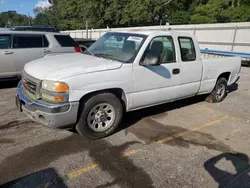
(65, 41)
(5, 41)
(28, 41)
(187, 49)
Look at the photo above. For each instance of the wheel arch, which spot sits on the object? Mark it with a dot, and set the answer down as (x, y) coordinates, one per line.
(118, 92)
(225, 75)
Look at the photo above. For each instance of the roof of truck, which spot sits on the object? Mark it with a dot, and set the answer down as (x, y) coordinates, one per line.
(145, 32)
(153, 32)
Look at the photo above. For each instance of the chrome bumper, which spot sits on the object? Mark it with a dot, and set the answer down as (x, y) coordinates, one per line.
(52, 115)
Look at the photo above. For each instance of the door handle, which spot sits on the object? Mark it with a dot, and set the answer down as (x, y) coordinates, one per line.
(46, 51)
(8, 52)
(176, 71)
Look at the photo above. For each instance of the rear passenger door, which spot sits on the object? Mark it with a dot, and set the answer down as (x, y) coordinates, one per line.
(28, 47)
(7, 67)
(190, 67)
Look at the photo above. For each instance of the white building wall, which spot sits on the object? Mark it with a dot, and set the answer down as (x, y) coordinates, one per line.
(227, 37)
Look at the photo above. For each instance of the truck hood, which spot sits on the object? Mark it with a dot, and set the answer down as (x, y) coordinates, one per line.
(62, 66)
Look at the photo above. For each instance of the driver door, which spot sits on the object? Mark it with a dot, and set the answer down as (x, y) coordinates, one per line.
(155, 84)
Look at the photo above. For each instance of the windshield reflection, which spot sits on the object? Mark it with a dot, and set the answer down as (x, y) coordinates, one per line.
(117, 46)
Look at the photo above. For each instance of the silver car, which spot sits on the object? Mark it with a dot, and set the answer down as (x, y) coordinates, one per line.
(20, 47)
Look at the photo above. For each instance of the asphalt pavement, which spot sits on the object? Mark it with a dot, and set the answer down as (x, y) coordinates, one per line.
(188, 143)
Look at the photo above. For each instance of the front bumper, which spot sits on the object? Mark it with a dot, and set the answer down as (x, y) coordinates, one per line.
(237, 79)
(52, 115)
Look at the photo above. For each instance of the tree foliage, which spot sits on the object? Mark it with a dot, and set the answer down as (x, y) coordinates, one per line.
(12, 18)
(73, 14)
(221, 11)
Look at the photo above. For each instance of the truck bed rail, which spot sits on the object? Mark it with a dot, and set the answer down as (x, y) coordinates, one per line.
(207, 53)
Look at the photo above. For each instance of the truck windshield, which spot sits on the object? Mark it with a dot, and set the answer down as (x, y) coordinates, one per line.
(117, 46)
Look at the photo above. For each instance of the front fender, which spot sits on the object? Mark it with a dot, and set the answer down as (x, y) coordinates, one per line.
(76, 95)
(81, 85)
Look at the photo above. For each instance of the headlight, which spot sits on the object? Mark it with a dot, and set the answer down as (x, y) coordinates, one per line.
(52, 91)
(58, 87)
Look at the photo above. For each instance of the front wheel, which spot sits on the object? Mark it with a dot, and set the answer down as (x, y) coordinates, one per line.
(100, 117)
(219, 93)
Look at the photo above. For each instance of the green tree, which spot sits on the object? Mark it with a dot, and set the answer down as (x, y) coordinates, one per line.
(12, 18)
(46, 17)
(72, 14)
(221, 11)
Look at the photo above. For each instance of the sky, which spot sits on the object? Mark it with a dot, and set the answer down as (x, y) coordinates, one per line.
(22, 6)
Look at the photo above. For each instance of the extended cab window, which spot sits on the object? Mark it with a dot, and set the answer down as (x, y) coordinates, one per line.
(187, 49)
(28, 41)
(5, 41)
(162, 48)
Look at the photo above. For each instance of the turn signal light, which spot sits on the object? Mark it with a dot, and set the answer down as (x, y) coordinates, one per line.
(62, 88)
(59, 99)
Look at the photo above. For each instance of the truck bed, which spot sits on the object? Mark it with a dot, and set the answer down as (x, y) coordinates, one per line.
(244, 61)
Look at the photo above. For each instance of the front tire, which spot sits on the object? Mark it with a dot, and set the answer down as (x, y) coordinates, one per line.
(100, 116)
(219, 93)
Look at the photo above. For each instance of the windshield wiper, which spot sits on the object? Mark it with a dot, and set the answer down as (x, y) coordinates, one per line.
(103, 55)
(88, 51)
(107, 56)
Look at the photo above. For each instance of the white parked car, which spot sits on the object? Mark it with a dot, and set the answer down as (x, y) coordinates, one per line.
(120, 72)
(20, 47)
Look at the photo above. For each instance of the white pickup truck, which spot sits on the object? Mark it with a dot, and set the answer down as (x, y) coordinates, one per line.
(120, 72)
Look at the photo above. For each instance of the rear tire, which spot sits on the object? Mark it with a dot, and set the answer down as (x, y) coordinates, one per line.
(219, 93)
(100, 116)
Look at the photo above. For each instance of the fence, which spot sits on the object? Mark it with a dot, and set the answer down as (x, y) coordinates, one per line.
(232, 37)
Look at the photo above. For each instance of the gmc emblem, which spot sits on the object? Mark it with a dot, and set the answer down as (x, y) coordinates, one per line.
(24, 81)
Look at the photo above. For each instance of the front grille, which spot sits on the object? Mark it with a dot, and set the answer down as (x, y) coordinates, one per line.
(30, 86)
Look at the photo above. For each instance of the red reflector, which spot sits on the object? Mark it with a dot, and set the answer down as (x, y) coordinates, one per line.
(78, 49)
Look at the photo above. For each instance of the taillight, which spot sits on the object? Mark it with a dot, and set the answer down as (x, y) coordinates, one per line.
(78, 49)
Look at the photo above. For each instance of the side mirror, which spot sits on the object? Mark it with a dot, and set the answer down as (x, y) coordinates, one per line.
(151, 61)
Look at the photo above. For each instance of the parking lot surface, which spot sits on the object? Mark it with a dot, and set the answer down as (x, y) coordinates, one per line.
(188, 143)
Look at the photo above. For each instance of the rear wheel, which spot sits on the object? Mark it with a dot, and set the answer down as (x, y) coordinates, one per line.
(100, 117)
(219, 93)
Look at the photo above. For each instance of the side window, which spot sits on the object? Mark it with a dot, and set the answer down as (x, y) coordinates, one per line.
(45, 41)
(162, 48)
(5, 41)
(187, 49)
(65, 41)
(28, 41)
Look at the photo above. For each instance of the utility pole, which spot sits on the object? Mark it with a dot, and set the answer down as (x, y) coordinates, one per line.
(29, 18)
(164, 4)
(87, 29)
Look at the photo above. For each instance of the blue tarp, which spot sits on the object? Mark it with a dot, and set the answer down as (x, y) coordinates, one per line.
(226, 53)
